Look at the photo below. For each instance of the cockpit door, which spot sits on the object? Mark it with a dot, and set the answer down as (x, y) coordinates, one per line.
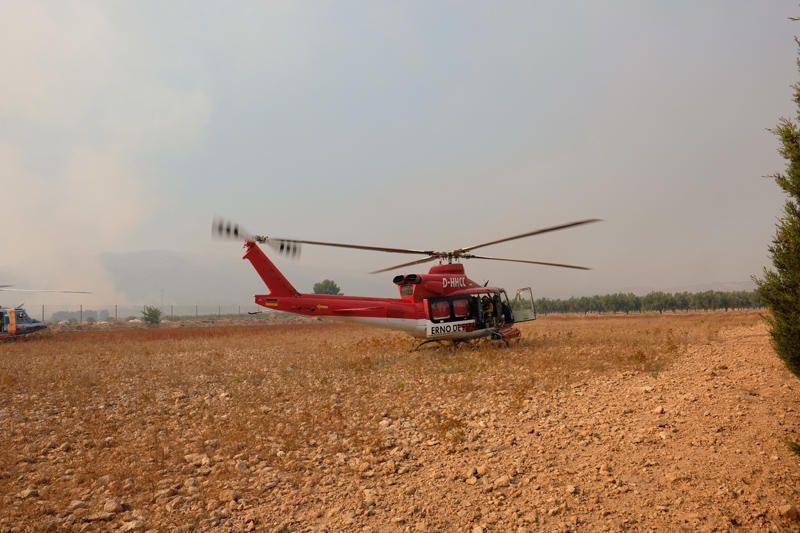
(522, 307)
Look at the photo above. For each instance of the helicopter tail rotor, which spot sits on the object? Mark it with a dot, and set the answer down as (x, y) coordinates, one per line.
(225, 229)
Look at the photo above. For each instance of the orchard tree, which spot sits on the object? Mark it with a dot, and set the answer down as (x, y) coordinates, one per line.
(327, 286)
(779, 288)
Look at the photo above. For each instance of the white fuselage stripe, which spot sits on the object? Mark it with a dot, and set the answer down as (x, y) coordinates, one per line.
(413, 326)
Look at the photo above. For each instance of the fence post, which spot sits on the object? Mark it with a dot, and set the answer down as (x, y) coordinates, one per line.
(115, 313)
(81, 314)
(42, 312)
(171, 312)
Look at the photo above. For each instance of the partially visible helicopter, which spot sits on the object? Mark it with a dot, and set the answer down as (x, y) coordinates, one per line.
(443, 305)
(15, 321)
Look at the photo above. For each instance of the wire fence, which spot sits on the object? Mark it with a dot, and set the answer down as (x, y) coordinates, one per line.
(98, 313)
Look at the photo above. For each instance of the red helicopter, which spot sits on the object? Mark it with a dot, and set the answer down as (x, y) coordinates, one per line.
(443, 305)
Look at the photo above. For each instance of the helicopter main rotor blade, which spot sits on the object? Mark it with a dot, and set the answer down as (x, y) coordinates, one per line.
(43, 290)
(226, 229)
(395, 267)
(532, 233)
(362, 247)
(470, 256)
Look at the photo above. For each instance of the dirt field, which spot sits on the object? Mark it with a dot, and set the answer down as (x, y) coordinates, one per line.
(673, 422)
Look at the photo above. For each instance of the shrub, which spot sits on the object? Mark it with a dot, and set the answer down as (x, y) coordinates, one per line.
(151, 315)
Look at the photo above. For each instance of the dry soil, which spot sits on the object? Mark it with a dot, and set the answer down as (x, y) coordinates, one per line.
(661, 422)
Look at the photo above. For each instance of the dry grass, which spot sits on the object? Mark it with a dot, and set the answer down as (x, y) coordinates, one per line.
(131, 404)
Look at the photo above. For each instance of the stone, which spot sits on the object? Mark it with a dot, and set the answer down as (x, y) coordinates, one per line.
(571, 489)
(788, 511)
(76, 504)
(502, 481)
(27, 493)
(228, 495)
(113, 505)
(197, 459)
(133, 525)
(659, 410)
(389, 467)
(478, 529)
(98, 517)
(165, 493)
(481, 470)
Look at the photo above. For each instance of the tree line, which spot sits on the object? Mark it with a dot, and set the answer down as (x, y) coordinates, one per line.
(654, 301)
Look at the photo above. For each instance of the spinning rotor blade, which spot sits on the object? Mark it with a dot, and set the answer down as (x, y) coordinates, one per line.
(532, 233)
(470, 256)
(364, 247)
(291, 247)
(285, 247)
(226, 229)
(395, 267)
(2, 288)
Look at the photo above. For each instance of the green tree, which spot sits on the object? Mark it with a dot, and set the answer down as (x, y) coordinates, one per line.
(779, 288)
(327, 286)
(151, 315)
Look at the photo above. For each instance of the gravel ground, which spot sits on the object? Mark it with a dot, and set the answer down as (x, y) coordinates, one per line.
(673, 422)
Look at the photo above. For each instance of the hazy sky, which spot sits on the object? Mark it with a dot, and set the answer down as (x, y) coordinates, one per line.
(125, 126)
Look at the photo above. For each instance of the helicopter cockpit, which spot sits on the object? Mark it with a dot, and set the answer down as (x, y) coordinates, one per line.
(18, 322)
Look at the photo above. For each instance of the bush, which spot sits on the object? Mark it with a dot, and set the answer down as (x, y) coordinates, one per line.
(327, 286)
(151, 315)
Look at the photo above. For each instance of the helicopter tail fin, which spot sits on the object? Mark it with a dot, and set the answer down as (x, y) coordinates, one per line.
(275, 280)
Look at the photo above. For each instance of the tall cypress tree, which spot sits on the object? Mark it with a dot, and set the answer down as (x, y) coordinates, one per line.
(780, 288)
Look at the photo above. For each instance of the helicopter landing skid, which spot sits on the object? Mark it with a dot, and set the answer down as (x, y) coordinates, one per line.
(423, 343)
(505, 334)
